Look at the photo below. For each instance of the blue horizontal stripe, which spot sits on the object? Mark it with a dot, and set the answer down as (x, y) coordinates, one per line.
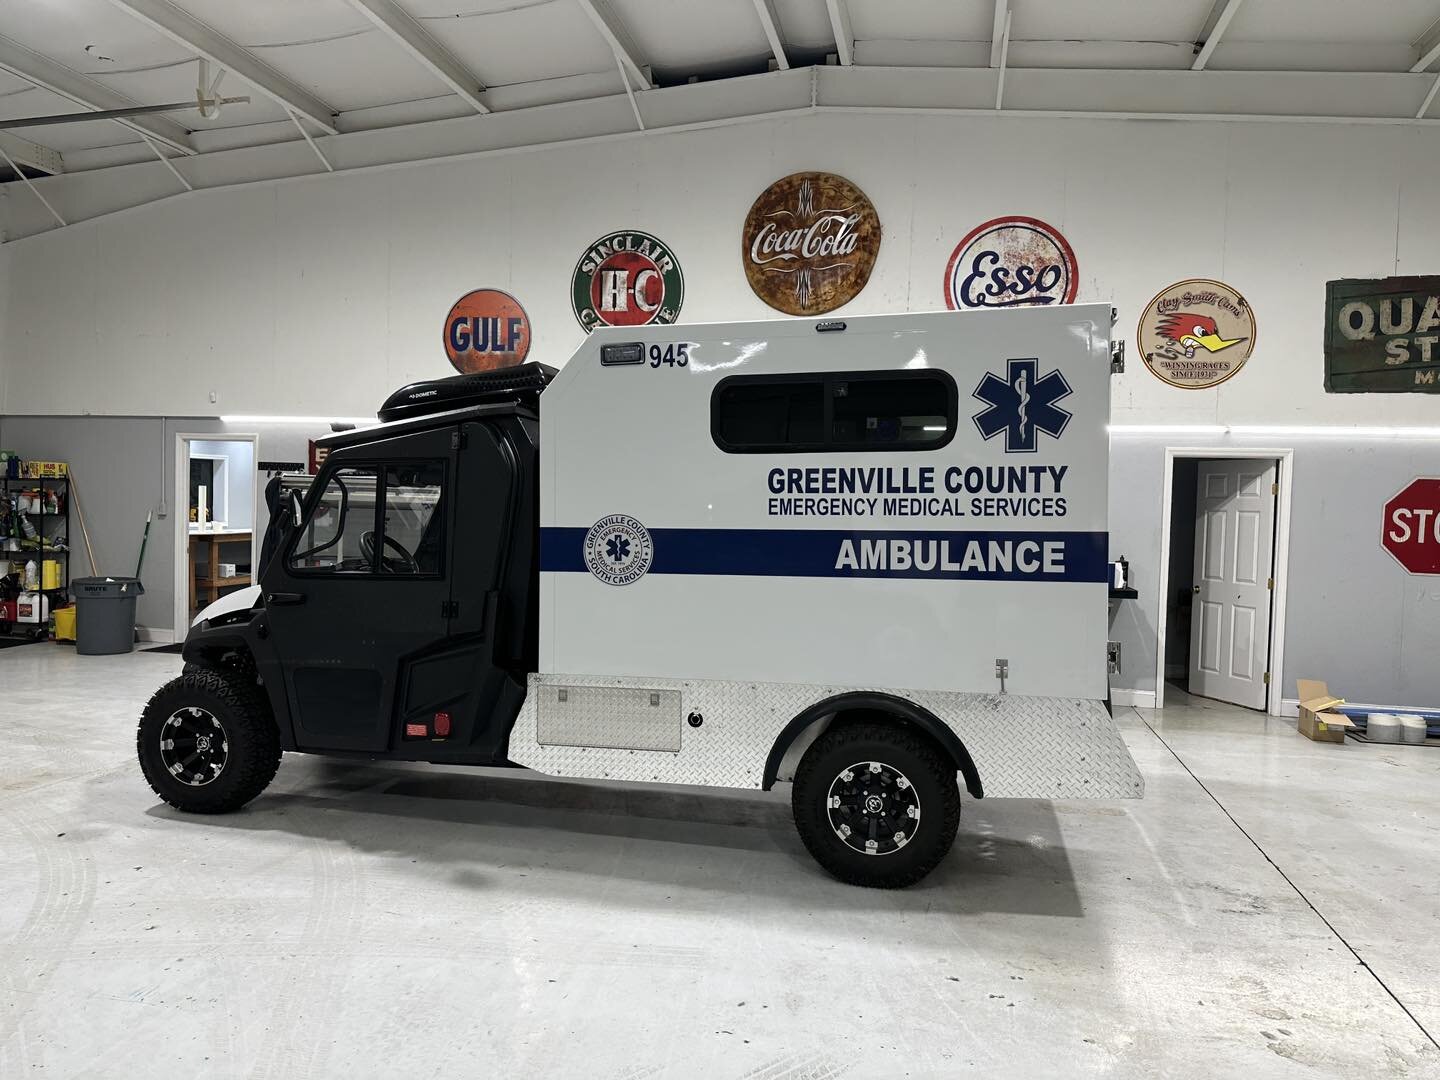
(815, 553)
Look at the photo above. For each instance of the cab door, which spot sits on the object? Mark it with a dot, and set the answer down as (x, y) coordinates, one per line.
(363, 586)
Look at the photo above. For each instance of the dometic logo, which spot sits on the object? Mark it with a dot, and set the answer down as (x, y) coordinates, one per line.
(1196, 333)
(627, 279)
(1022, 404)
(618, 549)
(1011, 262)
(486, 329)
(809, 243)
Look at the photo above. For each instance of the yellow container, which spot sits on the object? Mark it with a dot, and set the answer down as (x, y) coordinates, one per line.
(50, 574)
(65, 623)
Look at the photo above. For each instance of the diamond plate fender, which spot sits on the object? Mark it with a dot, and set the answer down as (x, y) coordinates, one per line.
(1023, 747)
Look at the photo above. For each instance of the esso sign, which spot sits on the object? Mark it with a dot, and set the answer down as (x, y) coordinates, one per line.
(1411, 529)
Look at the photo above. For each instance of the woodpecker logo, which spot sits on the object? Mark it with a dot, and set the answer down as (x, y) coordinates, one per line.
(1022, 404)
(627, 279)
(1196, 333)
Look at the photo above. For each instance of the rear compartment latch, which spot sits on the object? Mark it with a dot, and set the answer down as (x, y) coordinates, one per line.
(1002, 672)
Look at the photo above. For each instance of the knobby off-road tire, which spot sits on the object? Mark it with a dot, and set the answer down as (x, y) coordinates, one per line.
(207, 743)
(876, 805)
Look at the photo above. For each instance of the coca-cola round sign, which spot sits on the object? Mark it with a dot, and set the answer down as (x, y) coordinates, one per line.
(809, 243)
(1011, 262)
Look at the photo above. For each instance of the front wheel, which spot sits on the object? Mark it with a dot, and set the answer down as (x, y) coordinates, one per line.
(876, 805)
(207, 743)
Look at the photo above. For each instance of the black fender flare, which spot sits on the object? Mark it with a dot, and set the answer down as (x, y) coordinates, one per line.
(898, 707)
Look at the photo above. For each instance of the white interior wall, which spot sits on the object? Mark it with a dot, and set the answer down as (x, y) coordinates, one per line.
(321, 295)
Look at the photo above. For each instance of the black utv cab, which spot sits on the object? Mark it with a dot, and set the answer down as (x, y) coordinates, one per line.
(397, 615)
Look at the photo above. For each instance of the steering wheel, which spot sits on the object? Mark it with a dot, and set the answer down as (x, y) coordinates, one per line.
(402, 563)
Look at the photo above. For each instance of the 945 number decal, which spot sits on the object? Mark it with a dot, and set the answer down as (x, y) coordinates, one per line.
(676, 354)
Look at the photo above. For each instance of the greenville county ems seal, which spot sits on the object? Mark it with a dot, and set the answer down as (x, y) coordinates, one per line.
(618, 549)
(1196, 333)
(627, 278)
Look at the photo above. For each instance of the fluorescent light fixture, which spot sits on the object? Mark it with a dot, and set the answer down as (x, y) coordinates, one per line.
(1283, 430)
(933, 427)
(1354, 432)
(1167, 429)
(358, 421)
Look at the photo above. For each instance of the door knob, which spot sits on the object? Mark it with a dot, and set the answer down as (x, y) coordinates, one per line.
(1197, 590)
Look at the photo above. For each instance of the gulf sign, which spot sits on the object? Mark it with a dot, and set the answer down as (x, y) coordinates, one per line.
(1011, 262)
(486, 329)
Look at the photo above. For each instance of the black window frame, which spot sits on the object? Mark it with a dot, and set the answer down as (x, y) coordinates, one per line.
(382, 466)
(826, 379)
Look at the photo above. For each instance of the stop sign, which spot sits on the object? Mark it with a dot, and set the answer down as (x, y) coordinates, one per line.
(1411, 530)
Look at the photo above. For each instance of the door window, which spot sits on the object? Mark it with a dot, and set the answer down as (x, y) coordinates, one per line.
(331, 541)
(380, 519)
(413, 539)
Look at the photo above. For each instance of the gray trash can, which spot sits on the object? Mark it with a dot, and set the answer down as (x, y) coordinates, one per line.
(105, 614)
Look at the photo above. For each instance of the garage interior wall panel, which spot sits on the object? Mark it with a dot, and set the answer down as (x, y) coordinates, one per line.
(320, 295)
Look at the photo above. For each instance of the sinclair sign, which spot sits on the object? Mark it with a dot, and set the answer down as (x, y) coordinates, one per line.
(1382, 335)
(627, 278)
(1411, 529)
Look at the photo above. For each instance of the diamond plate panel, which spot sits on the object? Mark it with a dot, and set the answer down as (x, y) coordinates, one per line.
(1023, 747)
(608, 717)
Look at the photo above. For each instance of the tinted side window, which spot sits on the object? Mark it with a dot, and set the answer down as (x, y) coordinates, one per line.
(332, 539)
(833, 412)
(344, 535)
(900, 413)
(414, 520)
(769, 412)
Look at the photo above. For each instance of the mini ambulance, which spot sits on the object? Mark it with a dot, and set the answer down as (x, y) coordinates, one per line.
(866, 556)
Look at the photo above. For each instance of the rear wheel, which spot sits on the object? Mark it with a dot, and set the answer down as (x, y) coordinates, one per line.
(207, 743)
(876, 805)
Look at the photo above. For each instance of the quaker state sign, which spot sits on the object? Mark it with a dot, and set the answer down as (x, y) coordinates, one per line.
(1196, 333)
(809, 243)
(627, 278)
(486, 329)
(1382, 336)
(1011, 262)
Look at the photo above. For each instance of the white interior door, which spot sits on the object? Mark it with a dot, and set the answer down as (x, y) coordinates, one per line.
(1234, 554)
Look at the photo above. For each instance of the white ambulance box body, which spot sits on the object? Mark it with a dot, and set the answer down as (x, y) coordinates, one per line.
(757, 517)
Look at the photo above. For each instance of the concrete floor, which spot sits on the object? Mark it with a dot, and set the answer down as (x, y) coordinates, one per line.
(1269, 909)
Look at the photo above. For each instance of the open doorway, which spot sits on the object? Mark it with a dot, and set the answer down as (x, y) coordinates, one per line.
(1223, 566)
(216, 502)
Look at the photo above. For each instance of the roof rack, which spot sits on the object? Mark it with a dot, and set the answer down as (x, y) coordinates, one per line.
(524, 381)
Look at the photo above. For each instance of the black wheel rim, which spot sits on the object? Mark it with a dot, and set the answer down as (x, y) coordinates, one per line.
(873, 808)
(193, 746)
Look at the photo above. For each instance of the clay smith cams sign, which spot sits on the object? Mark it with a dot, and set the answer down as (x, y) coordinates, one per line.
(1382, 336)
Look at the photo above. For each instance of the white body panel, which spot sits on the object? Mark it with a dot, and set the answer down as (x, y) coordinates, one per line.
(1234, 548)
(239, 600)
(636, 440)
(755, 609)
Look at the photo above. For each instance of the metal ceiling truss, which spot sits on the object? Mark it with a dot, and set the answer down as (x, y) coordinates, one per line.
(770, 23)
(1238, 96)
(844, 35)
(191, 34)
(619, 40)
(396, 24)
(41, 71)
(1213, 30)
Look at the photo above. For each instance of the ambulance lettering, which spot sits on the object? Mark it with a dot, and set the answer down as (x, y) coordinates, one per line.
(962, 558)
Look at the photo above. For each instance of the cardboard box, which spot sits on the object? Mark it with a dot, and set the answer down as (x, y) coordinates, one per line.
(1317, 722)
